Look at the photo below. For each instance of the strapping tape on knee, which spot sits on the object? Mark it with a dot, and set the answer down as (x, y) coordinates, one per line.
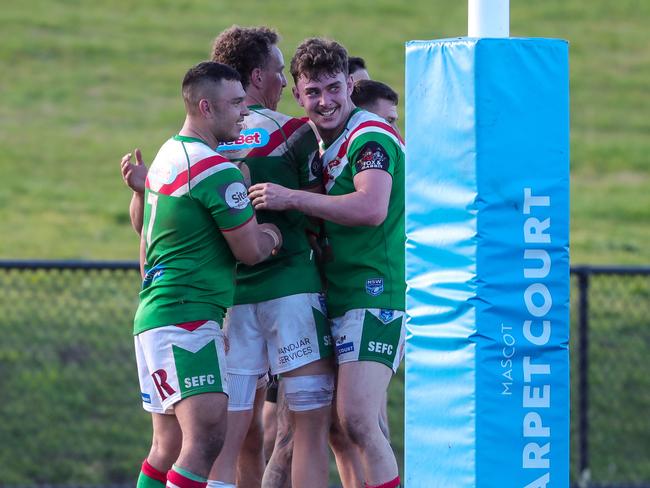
(241, 391)
(308, 392)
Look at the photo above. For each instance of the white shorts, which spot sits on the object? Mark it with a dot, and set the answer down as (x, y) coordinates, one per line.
(281, 334)
(178, 361)
(370, 334)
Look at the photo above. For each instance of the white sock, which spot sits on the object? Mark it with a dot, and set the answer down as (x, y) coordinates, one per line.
(219, 484)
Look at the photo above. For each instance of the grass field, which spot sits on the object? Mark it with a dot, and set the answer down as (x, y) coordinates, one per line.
(84, 82)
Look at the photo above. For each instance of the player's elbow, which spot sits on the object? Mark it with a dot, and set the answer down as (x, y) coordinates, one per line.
(373, 216)
(251, 257)
(252, 254)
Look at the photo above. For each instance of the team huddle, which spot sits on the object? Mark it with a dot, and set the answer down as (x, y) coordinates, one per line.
(271, 245)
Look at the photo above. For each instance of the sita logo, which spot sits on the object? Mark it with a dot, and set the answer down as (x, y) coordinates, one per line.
(248, 139)
(236, 196)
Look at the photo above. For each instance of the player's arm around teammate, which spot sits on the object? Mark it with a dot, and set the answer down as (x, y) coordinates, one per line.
(196, 218)
(277, 320)
(364, 216)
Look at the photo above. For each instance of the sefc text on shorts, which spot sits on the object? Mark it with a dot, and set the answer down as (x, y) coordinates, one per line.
(178, 361)
(370, 334)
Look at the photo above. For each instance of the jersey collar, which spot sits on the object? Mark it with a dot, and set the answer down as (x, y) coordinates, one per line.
(355, 110)
(181, 138)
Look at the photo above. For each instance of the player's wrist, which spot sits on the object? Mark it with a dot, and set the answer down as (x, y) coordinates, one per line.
(274, 237)
(296, 200)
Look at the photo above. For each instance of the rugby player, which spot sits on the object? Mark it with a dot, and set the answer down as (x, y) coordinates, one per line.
(378, 98)
(197, 221)
(363, 210)
(357, 69)
(278, 320)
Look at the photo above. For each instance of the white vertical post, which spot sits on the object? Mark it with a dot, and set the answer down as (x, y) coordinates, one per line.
(488, 18)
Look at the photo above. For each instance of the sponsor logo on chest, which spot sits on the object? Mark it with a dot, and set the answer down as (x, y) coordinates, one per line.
(248, 139)
(332, 168)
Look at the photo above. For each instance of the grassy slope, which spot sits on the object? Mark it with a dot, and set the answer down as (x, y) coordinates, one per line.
(85, 82)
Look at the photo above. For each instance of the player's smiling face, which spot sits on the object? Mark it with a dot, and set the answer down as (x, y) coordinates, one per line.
(326, 101)
(229, 111)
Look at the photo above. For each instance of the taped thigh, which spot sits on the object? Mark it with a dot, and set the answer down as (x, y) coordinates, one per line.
(308, 392)
(241, 390)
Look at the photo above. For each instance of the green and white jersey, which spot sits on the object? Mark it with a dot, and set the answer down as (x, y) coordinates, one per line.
(279, 149)
(192, 195)
(367, 268)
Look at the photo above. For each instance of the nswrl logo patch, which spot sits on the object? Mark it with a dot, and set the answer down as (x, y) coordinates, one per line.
(375, 286)
(386, 315)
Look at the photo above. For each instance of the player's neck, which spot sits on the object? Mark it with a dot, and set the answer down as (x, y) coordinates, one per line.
(254, 97)
(191, 129)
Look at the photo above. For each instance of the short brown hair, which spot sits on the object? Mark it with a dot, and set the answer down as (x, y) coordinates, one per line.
(355, 63)
(316, 57)
(244, 48)
(368, 92)
(198, 78)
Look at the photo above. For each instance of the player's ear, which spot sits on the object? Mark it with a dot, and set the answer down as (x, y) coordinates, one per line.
(350, 85)
(296, 95)
(205, 109)
(256, 77)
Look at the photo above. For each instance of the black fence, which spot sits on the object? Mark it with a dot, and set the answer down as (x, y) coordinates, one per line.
(610, 375)
(67, 376)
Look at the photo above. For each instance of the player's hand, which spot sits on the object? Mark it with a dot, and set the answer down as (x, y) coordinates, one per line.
(134, 175)
(269, 196)
(273, 229)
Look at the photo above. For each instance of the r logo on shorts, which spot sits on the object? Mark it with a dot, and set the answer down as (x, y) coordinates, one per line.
(177, 361)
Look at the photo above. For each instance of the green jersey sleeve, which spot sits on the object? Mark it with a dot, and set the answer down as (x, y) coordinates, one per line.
(225, 195)
(373, 150)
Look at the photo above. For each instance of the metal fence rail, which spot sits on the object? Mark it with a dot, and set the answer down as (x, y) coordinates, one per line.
(69, 417)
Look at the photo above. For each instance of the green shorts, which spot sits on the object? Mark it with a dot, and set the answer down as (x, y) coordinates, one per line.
(370, 334)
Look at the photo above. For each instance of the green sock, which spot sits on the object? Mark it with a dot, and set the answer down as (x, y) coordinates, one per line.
(150, 477)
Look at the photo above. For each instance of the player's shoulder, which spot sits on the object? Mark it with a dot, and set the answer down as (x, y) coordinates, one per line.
(181, 159)
(364, 125)
(287, 123)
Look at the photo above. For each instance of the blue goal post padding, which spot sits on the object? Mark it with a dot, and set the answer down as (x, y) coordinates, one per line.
(487, 222)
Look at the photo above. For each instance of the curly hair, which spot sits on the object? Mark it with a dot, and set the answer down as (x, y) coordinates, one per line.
(244, 48)
(316, 57)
